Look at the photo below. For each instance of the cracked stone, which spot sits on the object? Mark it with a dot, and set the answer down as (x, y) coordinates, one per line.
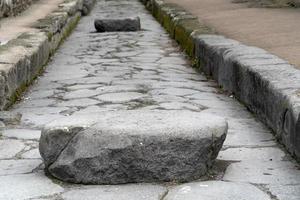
(120, 97)
(134, 146)
(259, 172)
(285, 192)
(9, 167)
(84, 93)
(9, 148)
(32, 154)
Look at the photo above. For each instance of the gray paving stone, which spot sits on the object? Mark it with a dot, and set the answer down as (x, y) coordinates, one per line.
(9, 148)
(21, 166)
(122, 192)
(121, 97)
(213, 190)
(143, 62)
(285, 192)
(21, 187)
(78, 103)
(26, 134)
(260, 172)
(83, 93)
(32, 154)
(244, 154)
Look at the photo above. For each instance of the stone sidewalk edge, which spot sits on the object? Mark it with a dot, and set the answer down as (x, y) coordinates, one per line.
(22, 59)
(266, 84)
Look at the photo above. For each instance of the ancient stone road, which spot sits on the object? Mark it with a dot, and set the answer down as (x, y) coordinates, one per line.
(140, 70)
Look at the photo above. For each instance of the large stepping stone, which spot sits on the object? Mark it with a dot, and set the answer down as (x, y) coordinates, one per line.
(132, 146)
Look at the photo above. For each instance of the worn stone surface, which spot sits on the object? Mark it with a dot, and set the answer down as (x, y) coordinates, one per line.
(266, 84)
(136, 146)
(212, 190)
(112, 25)
(9, 148)
(9, 167)
(25, 134)
(27, 186)
(128, 62)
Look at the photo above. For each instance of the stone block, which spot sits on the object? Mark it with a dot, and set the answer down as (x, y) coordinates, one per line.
(132, 146)
(112, 25)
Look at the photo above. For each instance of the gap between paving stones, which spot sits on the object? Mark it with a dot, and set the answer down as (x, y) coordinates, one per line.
(23, 58)
(266, 84)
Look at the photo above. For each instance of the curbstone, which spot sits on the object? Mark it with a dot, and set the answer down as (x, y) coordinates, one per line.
(23, 58)
(266, 84)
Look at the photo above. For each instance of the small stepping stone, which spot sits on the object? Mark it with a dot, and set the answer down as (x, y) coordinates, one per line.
(117, 25)
(132, 146)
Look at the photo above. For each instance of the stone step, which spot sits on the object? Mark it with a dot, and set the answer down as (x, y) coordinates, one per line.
(132, 146)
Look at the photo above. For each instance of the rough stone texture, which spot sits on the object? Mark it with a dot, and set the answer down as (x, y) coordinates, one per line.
(21, 59)
(135, 146)
(12, 8)
(112, 25)
(132, 61)
(9, 148)
(212, 190)
(266, 84)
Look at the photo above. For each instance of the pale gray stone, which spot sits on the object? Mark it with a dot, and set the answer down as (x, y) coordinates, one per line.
(78, 102)
(285, 192)
(19, 187)
(121, 97)
(175, 91)
(121, 192)
(244, 154)
(140, 146)
(263, 172)
(32, 154)
(25, 134)
(9, 148)
(213, 190)
(21, 166)
(84, 93)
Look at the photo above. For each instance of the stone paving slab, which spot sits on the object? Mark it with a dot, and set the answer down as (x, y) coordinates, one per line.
(81, 52)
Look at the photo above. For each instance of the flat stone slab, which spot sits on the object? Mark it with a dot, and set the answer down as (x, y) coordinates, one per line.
(132, 146)
(114, 25)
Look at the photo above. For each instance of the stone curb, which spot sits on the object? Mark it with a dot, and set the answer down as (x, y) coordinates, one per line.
(266, 84)
(23, 58)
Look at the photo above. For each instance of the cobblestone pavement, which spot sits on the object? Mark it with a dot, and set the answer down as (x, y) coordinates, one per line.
(139, 70)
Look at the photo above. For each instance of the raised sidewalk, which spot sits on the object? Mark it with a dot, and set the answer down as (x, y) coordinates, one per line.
(268, 85)
(276, 30)
(31, 41)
